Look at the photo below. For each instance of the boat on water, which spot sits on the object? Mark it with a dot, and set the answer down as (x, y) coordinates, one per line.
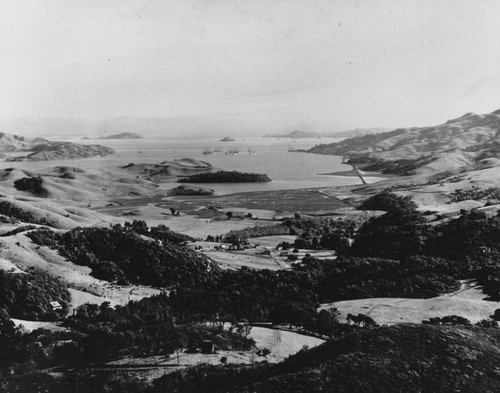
(251, 151)
(207, 151)
(233, 151)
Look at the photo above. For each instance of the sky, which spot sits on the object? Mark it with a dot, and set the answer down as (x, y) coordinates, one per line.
(290, 64)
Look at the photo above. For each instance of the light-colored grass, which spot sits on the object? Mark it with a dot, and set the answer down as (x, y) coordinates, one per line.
(8, 266)
(467, 303)
(272, 241)
(238, 260)
(29, 326)
(281, 345)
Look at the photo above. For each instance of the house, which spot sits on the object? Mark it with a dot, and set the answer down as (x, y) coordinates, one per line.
(55, 306)
(207, 347)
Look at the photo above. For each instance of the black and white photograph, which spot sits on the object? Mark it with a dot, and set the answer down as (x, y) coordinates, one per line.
(219, 196)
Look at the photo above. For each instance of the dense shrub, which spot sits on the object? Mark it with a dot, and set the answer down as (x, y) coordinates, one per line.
(32, 184)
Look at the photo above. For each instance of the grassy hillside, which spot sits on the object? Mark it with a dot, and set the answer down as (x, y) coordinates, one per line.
(468, 140)
(42, 149)
(121, 253)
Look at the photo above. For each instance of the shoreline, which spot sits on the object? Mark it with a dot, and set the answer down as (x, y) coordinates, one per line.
(354, 173)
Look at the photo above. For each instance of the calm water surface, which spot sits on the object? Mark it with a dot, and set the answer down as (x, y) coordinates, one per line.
(288, 170)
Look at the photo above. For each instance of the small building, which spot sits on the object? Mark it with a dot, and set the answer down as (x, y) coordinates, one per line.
(207, 347)
(55, 306)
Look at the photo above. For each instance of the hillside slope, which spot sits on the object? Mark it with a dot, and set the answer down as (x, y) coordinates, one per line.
(402, 358)
(61, 196)
(51, 150)
(176, 167)
(471, 140)
(40, 149)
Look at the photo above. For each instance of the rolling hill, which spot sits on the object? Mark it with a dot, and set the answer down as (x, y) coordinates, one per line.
(402, 358)
(471, 141)
(176, 167)
(40, 149)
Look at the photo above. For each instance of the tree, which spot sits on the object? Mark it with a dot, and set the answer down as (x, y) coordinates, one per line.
(229, 215)
(293, 313)
(361, 320)
(487, 323)
(7, 327)
(496, 315)
(388, 201)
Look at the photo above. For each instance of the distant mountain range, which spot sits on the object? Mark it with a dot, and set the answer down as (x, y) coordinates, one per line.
(123, 135)
(40, 149)
(471, 141)
(355, 132)
(297, 134)
(172, 127)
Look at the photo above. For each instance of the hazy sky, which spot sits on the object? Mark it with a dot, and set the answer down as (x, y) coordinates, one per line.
(295, 63)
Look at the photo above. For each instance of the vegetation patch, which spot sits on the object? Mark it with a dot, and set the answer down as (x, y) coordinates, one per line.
(225, 177)
(32, 185)
(475, 194)
(388, 201)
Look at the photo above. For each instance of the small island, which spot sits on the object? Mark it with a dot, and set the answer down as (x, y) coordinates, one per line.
(226, 177)
(227, 139)
(123, 135)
